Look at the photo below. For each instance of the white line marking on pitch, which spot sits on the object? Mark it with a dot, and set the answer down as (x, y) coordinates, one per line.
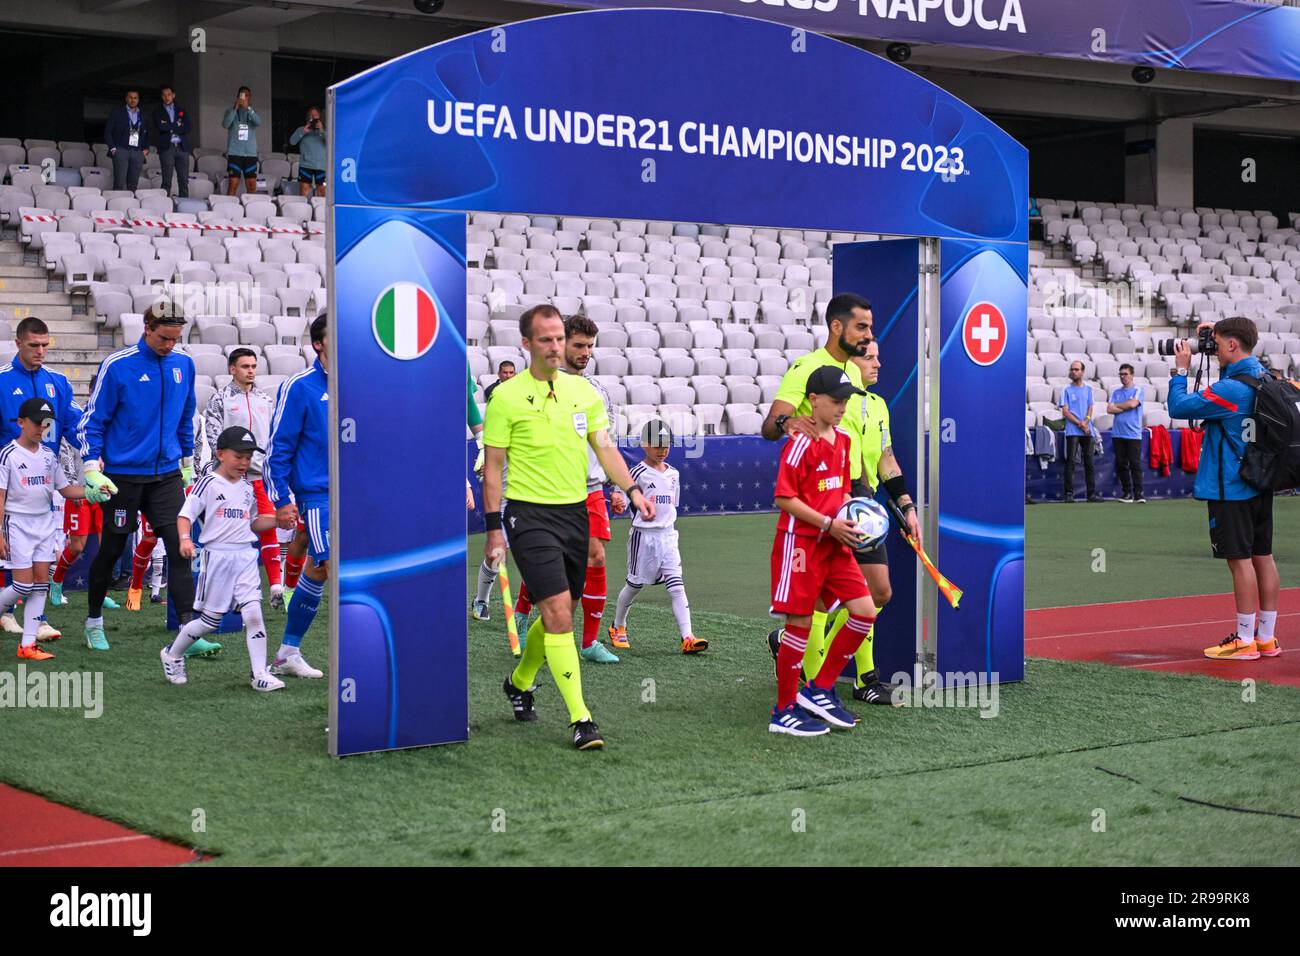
(73, 846)
(1147, 627)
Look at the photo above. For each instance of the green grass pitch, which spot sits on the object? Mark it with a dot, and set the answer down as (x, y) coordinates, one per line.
(691, 775)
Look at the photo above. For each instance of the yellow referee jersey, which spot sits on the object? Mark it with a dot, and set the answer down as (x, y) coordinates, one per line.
(875, 434)
(792, 390)
(543, 427)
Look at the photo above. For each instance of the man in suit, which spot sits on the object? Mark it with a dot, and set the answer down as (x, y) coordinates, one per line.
(127, 137)
(171, 131)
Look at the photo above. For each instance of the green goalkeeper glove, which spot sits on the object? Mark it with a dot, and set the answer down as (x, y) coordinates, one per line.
(98, 488)
(187, 471)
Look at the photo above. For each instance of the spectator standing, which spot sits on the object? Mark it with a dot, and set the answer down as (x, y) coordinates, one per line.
(1126, 434)
(310, 140)
(241, 122)
(171, 132)
(1076, 403)
(128, 141)
(505, 372)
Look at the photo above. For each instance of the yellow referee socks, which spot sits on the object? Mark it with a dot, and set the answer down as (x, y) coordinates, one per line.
(865, 658)
(562, 659)
(525, 674)
(816, 652)
(841, 618)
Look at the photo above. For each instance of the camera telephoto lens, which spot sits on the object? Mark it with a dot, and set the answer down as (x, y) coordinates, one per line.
(1166, 346)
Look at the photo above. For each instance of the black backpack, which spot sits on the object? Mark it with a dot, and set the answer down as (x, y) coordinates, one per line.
(1272, 460)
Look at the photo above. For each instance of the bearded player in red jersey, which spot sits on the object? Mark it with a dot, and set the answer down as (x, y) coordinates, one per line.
(811, 559)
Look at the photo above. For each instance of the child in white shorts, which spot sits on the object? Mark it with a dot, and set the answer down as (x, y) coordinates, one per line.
(224, 503)
(652, 555)
(30, 474)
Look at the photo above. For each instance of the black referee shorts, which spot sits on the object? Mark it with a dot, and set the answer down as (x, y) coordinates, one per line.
(159, 499)
(549, 544)
(1240, 530)
(878, 554)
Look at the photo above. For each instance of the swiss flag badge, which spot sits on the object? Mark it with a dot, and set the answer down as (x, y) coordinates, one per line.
(984, 333)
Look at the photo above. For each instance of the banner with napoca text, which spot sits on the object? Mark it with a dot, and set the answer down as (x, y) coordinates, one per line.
(1243, 37)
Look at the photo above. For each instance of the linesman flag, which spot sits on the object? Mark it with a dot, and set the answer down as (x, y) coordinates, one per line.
(946, 587)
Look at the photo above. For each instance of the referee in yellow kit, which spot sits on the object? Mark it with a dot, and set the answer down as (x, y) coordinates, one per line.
(544, 421)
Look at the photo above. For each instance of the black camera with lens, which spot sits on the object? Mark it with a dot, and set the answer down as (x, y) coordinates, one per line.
(1204, 344)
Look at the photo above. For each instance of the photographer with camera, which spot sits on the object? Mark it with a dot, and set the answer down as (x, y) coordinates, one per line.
(241, 122)
(310, 140)
(1241, 516)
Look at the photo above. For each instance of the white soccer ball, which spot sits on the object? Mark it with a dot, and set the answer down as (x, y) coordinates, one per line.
(871, 518)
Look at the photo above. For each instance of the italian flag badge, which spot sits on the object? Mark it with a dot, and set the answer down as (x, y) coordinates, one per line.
(405, 321)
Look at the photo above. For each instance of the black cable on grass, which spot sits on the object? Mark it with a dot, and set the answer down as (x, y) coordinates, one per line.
(1200, 803)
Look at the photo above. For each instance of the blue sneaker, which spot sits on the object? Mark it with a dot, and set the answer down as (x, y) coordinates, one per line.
(598, 653)
(110, 604)
(826, 705)
(796, 722)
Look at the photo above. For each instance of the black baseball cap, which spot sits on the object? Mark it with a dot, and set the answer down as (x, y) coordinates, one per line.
(833, 381)
(36, 410)
(656, 434)
(237, 439)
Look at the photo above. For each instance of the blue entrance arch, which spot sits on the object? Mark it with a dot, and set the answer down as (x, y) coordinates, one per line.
(646, 114)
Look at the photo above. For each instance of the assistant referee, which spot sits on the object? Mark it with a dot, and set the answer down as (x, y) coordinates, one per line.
(545, 421)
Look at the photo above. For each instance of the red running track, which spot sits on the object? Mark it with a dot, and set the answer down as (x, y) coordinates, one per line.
(38, 832)
(1164, 634)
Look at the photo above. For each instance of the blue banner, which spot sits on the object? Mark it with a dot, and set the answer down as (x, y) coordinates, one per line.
(710, 469)
(653, 114)
(885, 273)
(400, 678)
(1044, 479)
(1208, 36)
(647, 114)
(721, 474)
(984, 321)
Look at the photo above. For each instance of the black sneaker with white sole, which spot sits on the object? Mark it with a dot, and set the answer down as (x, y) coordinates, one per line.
(586, 735)
(873, 677)
(774, 645)
(876, 692)
(520, 700)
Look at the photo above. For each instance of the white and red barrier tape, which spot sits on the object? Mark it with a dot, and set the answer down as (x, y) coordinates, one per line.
(168, 224)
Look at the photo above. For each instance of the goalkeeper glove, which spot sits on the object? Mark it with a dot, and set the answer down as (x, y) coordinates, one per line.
(98, 488)
(481, 459)
(187, 471)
